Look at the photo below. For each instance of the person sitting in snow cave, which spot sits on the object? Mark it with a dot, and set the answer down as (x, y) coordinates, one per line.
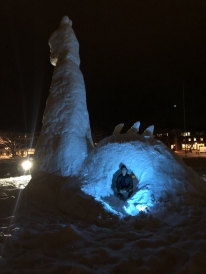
(124, 184)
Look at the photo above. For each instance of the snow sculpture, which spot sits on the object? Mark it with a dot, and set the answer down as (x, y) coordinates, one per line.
(118, 129)
(135, 128)
(65, 149)
(65, 138)
(162, 175)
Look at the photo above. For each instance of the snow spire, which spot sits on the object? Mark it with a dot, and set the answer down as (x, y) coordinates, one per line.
(65, 138)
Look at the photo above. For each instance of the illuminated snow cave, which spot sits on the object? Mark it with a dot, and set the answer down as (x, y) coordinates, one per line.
(161, 177)
(65, 150)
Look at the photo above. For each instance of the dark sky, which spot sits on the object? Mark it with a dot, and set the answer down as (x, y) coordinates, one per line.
(136, 55)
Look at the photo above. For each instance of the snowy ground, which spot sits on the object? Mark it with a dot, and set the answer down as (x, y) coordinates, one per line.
(37, 238)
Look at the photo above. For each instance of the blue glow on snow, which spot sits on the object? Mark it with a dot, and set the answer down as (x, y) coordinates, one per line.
(141, 207)
(133, 210)
(140, 201)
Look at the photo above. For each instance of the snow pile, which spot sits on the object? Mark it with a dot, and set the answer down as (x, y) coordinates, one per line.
(162, 178)
(20, 182)
(39, 238)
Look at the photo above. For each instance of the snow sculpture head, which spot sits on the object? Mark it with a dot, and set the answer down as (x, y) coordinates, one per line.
(160, 173)
(63, 43)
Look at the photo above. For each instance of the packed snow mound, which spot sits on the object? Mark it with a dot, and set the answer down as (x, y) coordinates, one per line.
(161, 176)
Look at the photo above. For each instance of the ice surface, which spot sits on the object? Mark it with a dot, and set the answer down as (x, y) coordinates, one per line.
(65, 138)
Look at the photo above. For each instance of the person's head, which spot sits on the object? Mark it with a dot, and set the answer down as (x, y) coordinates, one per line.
(124, 170)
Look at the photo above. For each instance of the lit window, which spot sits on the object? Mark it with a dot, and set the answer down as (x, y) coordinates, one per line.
(201, 139)
(189, 139)
(194, 139)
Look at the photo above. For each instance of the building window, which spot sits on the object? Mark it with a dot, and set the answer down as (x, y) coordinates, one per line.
(201, 139)
(186, 146)
(185, 134)
(189, 139)
(195, 139)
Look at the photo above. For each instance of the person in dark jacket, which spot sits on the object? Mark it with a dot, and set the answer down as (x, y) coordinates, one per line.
(124, 184)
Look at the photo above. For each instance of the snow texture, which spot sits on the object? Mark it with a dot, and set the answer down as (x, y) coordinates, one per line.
(65, 138)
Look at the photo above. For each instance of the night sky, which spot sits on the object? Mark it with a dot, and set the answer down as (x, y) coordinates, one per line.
(136, 55)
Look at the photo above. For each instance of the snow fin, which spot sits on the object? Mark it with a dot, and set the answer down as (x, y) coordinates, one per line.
(118, 128)
(148, 131)
(135, 128)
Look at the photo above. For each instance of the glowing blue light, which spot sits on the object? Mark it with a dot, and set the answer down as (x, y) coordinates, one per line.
(131, 210)
(134, 210)
(141, 207)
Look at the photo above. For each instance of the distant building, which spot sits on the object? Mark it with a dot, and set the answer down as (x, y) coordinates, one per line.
(179, 140)
(24, 143)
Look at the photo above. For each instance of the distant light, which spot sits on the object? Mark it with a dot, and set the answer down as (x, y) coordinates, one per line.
(175, 106)
(26, 165)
